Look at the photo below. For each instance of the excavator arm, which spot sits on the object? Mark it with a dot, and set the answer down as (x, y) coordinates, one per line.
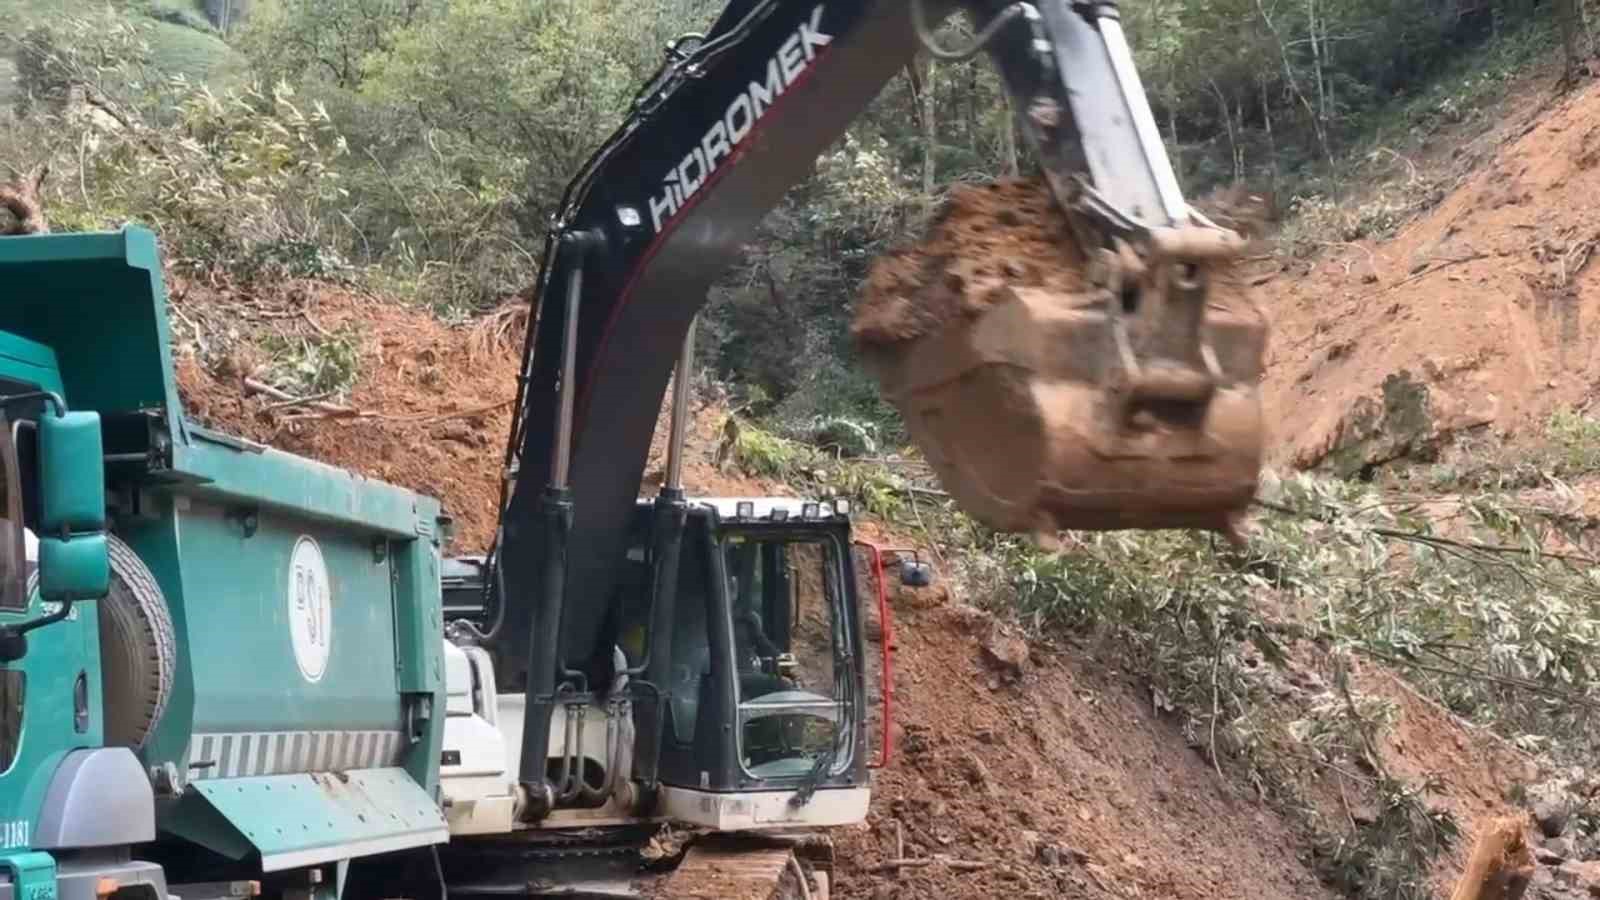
(732, 120)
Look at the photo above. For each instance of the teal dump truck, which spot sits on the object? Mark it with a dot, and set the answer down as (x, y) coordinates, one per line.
(220, 665)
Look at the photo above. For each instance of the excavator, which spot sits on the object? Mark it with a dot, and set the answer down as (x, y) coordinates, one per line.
(616, 661)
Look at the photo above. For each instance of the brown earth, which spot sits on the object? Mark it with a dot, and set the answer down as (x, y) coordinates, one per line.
(992, 238)
(1480, 317)
(985, 240)
(434, 400)
(1061, 783)
(1008, 367)
(1048, 768)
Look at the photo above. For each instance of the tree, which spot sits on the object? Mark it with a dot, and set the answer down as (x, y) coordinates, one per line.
(1574, 37)
(328, 39)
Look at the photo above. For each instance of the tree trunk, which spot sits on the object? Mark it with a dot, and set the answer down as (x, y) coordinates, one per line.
(1316, 61)
(1227, 120)
(1570, 14)
(1238, 153)
(1272, 141)
(1294, 83)
(929, 135)
(1008, 136)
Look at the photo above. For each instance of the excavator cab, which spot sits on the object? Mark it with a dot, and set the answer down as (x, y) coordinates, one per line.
(767, 673)
(742, 706)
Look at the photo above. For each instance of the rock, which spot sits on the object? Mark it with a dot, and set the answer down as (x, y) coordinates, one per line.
(976, 772)
(1552, 804)
(1006, 652)
(1551, 854)
(915, 739)
(1582, 875)
(1399, 423)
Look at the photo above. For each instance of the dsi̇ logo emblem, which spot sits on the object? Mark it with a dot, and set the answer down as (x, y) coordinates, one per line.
(310, 609)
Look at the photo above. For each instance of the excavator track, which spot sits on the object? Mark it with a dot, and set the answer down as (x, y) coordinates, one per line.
(732, 867)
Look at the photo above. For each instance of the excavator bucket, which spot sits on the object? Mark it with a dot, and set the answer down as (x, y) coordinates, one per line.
(1052, 389)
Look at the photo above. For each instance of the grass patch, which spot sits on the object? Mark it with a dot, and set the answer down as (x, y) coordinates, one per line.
(326, 368)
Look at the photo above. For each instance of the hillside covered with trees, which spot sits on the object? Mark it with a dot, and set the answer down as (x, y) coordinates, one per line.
(420, 145)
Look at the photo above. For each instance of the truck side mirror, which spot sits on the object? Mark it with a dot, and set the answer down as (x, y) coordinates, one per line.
(74, 558)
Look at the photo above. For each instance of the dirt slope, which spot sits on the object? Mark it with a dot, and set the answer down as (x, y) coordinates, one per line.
(1046, 768)
(434, 401)
(1050, 771)
(1481, 316)
(1061, 783)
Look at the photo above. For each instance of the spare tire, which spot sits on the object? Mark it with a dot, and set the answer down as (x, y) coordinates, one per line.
(138, 650)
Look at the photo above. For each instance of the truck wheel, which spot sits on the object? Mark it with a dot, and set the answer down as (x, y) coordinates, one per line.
(138, 649)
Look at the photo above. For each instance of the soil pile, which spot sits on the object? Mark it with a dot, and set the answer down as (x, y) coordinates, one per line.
(432, 406)
(431, 402)
(985, 240)
(1049, 777)
(1019, 769)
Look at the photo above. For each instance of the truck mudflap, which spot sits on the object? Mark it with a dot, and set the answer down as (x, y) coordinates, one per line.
(309, 819)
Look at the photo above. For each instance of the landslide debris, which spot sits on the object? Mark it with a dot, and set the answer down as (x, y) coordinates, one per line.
(984, 241)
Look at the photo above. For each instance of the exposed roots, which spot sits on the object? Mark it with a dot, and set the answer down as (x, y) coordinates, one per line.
(491, 334)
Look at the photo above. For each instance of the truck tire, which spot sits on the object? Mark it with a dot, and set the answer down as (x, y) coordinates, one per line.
(138, 650)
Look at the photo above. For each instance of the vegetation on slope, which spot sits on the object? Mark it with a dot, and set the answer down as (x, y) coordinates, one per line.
(429, 140)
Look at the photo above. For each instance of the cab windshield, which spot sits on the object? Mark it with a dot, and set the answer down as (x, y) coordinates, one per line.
(792, 656)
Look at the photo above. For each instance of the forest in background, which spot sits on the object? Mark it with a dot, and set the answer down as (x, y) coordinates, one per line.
(419, 146)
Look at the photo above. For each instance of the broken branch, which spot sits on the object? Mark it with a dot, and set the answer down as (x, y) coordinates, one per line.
(959, 865)
(252, 386)
(1501, 865)
(1426, 272)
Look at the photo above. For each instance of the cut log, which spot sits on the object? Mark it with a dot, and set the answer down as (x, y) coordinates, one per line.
(1501, 865)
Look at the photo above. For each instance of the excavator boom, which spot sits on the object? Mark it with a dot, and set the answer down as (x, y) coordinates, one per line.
(734, 119)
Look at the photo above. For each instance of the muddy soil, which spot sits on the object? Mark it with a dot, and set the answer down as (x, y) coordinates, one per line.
(1046, 768)
(435, 399)
(1060, 781)
(985, 239)
(1485, 307)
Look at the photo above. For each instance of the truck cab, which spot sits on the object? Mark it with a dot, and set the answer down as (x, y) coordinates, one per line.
(70, 806)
